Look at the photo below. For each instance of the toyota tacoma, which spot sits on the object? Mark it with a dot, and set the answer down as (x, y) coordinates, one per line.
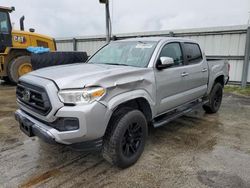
(109, 102)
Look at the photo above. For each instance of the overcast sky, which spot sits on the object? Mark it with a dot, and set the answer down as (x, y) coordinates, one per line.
(67, 18)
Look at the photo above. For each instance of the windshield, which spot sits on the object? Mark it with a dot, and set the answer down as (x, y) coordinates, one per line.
(4, 25)
(136, 54)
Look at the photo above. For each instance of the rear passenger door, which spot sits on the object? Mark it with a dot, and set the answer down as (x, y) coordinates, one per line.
(197, 70)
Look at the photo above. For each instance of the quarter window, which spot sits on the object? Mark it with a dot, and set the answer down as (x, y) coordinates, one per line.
(193, 53)
(174, 51)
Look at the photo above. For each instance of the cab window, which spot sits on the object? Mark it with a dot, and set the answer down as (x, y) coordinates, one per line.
(193, 53)
(174, 51)
(4, 24)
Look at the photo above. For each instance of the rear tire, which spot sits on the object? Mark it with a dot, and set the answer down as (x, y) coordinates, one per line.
(18, 67)
(125, 137)
(215, 99)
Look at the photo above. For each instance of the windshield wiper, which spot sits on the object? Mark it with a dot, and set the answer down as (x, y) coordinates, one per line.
(142, 42)
(109, 63)
(116, 64)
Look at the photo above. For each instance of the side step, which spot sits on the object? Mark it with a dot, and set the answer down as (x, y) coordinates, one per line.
(176, 113)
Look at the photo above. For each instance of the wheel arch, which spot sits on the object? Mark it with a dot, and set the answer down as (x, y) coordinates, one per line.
(138, 99)
(139, 103)
(16, 52)
(11, 54)
(14, 64)
(219, 78)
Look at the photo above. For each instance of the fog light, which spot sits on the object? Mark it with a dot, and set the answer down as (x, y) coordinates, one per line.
(65, 124)
(71, 124)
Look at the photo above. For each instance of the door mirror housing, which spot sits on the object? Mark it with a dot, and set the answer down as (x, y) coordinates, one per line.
(165, 62)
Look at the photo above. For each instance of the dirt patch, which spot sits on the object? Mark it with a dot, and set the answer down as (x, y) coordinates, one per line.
(41, 178)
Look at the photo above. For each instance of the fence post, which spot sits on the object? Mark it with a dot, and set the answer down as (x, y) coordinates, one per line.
(74, 44)
(246, 60)
(171, 34)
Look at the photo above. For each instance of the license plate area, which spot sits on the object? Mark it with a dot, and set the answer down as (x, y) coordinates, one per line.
(26, 127)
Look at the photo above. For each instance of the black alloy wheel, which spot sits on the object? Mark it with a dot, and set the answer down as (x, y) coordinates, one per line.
(132, 139)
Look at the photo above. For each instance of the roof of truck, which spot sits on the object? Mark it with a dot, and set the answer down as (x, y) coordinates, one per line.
(158, 39)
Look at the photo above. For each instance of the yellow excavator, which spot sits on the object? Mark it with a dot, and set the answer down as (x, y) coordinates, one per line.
(15, 60)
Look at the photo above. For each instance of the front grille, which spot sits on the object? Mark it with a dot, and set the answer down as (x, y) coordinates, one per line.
(33, 97)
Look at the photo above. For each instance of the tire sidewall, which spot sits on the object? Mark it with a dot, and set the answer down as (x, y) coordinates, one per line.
(122, 125)
(14, 65)
(216, 87)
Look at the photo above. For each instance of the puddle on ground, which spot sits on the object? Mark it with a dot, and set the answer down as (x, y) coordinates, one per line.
(221, 180)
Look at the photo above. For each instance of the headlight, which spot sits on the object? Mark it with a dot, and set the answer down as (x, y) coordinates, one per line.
(79, 96)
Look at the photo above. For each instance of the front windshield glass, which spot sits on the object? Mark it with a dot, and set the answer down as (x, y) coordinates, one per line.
(135, 53)
(4, 26)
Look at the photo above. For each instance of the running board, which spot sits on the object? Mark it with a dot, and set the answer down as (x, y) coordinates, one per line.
(176, 113)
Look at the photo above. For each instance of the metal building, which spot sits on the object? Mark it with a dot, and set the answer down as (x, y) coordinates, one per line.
(230, 42)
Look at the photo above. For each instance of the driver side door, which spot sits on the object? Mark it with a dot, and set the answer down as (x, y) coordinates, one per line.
(171, 82)
(5, 31)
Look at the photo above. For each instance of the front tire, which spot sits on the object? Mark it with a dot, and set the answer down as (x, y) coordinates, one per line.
(215, 99)
(18, 67)
(125, 138)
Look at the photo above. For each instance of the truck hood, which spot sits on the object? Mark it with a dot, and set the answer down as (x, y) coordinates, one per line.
(81, 75)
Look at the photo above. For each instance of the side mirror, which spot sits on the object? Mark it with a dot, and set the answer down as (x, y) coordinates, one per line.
(165, 62)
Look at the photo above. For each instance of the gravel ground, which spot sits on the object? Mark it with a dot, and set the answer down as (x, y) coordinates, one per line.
(197, 150)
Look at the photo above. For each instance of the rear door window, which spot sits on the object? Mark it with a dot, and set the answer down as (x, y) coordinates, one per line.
(193, 53)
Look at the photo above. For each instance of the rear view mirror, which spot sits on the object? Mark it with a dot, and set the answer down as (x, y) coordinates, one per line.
(165, 62)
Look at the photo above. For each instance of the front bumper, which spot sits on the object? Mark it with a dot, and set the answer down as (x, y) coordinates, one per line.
(92, 124)
(33, 128)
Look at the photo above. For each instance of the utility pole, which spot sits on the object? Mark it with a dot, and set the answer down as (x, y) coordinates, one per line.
(108, 23)
(248, 18)
(246, 58)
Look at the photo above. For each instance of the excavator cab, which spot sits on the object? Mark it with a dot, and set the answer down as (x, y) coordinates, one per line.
(5, 28)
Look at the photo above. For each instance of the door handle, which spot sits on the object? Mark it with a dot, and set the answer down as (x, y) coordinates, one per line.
(204, 70)
(184, 74)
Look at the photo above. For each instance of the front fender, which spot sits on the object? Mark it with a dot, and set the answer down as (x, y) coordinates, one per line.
(127, 96)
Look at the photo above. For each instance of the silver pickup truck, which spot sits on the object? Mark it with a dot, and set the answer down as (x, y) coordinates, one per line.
(109, 102)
